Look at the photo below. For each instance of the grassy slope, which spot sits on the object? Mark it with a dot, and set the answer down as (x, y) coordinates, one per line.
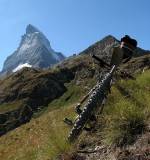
(45, 136)
(128, 111)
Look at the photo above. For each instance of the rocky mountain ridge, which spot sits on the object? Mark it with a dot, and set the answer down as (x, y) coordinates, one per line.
(105, 46)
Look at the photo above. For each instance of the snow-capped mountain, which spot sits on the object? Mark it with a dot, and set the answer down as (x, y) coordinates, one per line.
(34, 50)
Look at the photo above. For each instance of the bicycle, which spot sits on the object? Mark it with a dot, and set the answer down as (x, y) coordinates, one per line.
(97, 96)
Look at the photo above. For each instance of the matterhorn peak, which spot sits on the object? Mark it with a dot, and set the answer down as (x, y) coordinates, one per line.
(31, 29)
(35, 49)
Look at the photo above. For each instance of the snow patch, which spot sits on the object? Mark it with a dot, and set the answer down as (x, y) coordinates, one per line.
(22, 66)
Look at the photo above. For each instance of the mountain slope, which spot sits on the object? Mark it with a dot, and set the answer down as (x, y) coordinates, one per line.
(45, 137)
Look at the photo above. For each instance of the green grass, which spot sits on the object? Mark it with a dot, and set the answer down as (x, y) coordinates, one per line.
(127, 114)
(42, 138)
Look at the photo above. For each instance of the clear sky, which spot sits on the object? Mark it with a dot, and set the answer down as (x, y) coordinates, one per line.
(73, 25)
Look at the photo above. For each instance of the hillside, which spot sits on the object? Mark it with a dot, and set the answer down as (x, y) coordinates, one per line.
(30, 95)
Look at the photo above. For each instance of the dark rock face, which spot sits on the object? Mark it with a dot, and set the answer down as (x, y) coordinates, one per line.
(35, 50)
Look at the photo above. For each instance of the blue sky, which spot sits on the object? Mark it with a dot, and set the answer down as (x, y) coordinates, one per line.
(73, 25)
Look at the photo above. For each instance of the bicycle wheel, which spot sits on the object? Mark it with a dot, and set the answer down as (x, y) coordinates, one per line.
(93, 103)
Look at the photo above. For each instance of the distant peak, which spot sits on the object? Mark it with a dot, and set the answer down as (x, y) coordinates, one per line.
(31, 29)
